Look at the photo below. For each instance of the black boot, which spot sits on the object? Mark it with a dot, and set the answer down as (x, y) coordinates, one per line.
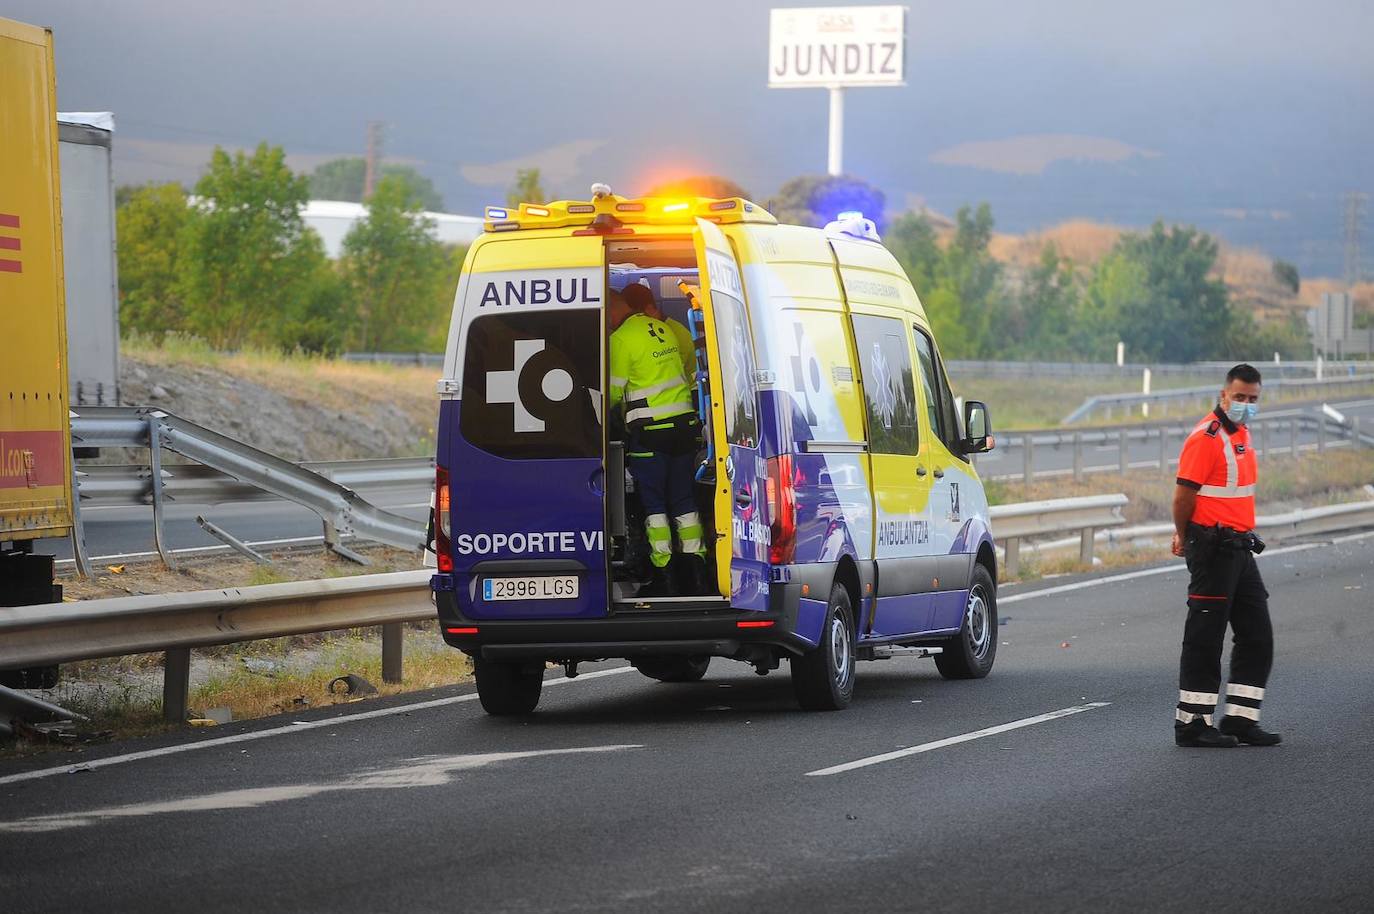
(1197, 734)
(660, 585)
(1249, 732)
(700, 580)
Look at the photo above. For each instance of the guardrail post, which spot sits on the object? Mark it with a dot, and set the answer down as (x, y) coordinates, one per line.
(155, 465)
(1164, 450)
(1124, 446)
(1263, 437)
(1028, 457)
(393, 650)
(1012, 562)
(176, 684)
(1321, 434)
(1355, 440)
(1085, 546)
(1077, 456)
(1293, 437)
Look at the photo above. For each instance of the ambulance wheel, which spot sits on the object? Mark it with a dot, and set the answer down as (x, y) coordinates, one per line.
(508, 689)
(823, 678)
(970, 655)
(673, 669)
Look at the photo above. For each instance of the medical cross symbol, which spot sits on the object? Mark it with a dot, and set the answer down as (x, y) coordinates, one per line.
(504, 386)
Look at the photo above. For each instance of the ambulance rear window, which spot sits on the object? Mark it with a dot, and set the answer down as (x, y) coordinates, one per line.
(531, 384)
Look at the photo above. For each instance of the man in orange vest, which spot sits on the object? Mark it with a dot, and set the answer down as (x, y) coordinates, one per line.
(1214, 523)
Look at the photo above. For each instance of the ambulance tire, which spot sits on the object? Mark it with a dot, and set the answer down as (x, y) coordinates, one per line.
(673, 669)
(508, 689)
(823, 678)
(971, 654)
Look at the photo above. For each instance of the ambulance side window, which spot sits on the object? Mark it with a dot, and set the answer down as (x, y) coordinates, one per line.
(889, 391)
(737, 366)
(531, 384)
(944, 419)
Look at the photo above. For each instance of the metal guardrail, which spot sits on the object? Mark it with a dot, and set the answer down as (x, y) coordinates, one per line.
(1267, 433)
(176, 622)
(431, 359)
(342, 511)
(1086, 514)
(1112, 402)
(126, 484)
(999, 369)
(1272, 527)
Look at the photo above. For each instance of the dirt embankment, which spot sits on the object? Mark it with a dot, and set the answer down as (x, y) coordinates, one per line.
(296, 408)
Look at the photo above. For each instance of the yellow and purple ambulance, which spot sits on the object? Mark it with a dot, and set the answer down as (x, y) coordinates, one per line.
(844, 518)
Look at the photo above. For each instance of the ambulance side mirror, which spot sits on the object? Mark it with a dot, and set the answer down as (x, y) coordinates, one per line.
(977, 428)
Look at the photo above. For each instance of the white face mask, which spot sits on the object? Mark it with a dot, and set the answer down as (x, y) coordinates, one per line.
(1241, 413)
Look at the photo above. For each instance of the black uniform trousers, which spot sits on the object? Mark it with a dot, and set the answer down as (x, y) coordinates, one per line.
(1224, 588)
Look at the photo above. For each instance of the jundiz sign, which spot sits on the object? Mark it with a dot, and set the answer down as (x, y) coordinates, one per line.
(837, 46)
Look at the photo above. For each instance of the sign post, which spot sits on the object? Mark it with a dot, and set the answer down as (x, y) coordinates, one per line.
(834, 48)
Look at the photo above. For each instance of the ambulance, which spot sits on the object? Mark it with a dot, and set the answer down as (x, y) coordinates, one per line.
(844, 517)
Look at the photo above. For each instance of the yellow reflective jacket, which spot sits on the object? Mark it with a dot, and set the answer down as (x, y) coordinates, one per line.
(647, 372)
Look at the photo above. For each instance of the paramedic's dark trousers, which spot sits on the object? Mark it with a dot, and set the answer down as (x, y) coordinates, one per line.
(1224, 587)
(664, 483)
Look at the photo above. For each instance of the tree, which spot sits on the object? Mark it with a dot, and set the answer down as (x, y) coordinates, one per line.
(345, 179)
(1185, 313)
(1287, 275)
(394, 271)
(1045, 307)
(699, 186)
(249, 267)
(817, 199)
(150, 228)
(526, 188)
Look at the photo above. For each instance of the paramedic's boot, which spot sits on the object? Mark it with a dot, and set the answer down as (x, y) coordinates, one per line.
(1196, 734)
(1248, 732)
(699, 577)
(660, 585)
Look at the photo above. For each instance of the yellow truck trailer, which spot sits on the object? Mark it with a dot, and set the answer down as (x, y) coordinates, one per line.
(35, 430)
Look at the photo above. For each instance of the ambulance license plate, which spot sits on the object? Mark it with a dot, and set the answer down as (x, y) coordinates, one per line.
(543, 587)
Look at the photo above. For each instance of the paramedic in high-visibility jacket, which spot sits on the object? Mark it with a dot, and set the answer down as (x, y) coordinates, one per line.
(649, 377)
(1214, 522)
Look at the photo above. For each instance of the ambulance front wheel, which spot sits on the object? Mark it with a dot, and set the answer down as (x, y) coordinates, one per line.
(823, 679)
(508, 689)
(971, 653)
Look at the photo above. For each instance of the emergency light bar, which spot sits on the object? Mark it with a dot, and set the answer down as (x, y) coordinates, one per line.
(609, 213)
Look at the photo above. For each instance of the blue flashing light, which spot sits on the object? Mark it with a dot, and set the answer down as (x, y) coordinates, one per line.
(496, 212)
(849, 214)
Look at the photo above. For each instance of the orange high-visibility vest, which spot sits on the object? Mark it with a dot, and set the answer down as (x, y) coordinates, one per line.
(1218, 461)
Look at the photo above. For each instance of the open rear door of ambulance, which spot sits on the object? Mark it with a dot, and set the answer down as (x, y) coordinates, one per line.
(740, 474)
(522, 441)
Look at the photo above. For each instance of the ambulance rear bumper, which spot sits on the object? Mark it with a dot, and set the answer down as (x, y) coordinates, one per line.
(716, 634)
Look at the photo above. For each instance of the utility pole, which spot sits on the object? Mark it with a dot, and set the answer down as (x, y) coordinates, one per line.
(374, 158)
(1354, 218)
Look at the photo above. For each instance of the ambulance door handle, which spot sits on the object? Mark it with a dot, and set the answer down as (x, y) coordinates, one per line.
(744, 499)
(939, 473)
(920, 471)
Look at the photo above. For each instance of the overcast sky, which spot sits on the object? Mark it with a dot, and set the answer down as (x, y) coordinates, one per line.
(1249, 118)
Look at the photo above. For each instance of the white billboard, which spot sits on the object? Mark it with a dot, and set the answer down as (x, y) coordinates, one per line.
(833, 46)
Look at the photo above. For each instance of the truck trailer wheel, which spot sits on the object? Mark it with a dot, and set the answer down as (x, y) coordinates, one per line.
(970, 654)
(823, 679)
(673, 669)
(508, 689)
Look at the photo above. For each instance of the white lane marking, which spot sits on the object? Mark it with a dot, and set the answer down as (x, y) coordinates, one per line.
(294, 727)
(427, 771)
(1132, 575)
(955, 740)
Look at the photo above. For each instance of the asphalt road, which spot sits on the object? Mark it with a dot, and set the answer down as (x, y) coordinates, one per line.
(627, 795)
